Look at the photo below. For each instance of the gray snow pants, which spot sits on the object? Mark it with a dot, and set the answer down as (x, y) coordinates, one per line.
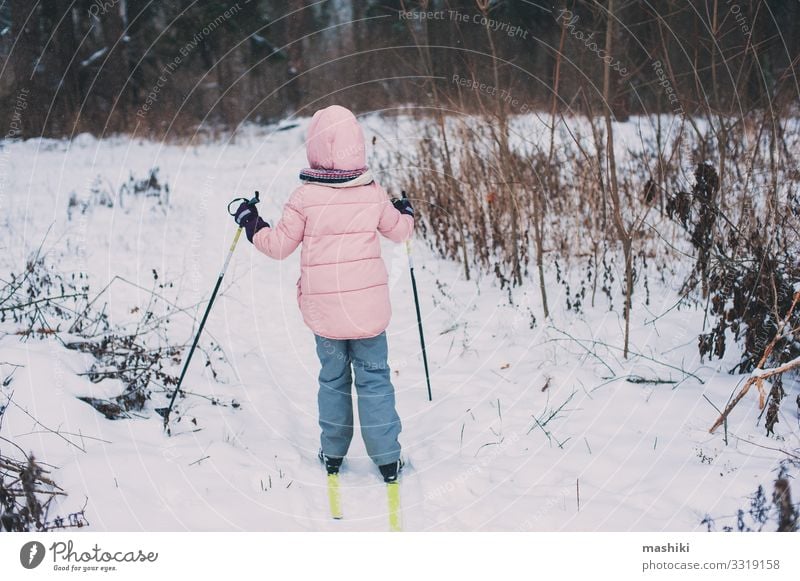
(380, 424)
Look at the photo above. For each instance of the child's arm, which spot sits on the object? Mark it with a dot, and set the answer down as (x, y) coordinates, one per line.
(395, 225)
(280, 241)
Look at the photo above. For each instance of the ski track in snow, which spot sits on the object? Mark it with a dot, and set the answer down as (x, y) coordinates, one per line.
(639, 454)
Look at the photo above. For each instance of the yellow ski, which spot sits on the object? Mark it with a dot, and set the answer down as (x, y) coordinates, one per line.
(393, 495)
(334, 497)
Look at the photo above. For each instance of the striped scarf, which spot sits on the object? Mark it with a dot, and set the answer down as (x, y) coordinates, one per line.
(337, 178)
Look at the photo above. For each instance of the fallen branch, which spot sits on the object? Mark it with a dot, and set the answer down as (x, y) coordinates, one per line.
(758, 380)
(200, 460)
(759, 374)
(653, 381)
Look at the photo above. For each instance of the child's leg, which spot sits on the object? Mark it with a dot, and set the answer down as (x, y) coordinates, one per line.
(334, 398)
(380, 424)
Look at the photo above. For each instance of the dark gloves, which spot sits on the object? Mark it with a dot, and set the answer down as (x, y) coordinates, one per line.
(247, 217)
(403, 206)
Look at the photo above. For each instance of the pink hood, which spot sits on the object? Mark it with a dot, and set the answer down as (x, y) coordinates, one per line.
(343, 289)
(335, 140)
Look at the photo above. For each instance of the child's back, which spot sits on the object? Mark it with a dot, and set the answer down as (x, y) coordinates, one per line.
(337, 215)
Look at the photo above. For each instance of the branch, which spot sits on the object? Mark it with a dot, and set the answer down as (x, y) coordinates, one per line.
(759, 373)
(50, 430)
(42, 300)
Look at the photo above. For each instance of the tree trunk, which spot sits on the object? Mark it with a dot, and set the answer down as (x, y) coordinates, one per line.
(539, 206)
(115, 69)
(613, 183)
(295, 89)
(23, 57)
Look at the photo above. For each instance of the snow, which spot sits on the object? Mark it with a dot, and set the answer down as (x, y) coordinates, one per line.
(523, 420)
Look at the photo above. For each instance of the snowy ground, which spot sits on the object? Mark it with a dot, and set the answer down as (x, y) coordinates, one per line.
(523, 421)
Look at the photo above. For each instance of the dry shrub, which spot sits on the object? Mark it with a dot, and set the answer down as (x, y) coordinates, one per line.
(26, 495)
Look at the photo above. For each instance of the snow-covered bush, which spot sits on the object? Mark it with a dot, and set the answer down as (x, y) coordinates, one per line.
(777, 513)
(747, 270)
(27, 489)
(40, 299)
(103, 195)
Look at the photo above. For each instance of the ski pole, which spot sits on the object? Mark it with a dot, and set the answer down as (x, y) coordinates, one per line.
(419, 315)
(166, 411)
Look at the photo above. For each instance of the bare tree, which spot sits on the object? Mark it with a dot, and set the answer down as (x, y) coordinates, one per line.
(623, 233)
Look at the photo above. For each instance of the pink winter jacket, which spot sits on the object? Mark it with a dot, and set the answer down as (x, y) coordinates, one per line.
(343, 288)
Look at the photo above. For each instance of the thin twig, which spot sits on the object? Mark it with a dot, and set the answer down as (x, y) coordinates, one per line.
(200, 460)
(42, 300)
(52, 431)
(630, 352)
(589, 351)
(501, 377)
(790, 454)
(68, 434)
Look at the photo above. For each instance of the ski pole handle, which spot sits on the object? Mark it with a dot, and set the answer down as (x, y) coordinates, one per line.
(408, 242)
(252, 201)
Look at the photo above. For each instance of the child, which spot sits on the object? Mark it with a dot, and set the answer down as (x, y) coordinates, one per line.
(343, 293)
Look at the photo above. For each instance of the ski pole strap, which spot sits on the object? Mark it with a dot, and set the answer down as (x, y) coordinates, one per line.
(408, 242)
(252, 201)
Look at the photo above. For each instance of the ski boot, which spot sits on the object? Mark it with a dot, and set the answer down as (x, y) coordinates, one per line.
(391, 471)
(332, 463)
